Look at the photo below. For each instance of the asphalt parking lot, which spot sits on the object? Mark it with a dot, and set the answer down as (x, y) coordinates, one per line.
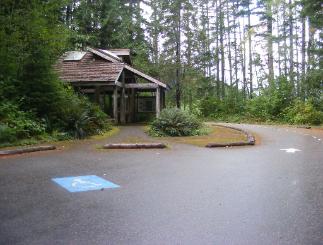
(271, 193)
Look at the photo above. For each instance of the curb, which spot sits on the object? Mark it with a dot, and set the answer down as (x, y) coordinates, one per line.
(27, 150)
(250, 139)
(135, 146)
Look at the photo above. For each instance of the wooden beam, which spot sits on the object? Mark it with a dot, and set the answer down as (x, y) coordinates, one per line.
(94, 83)
(92, 90)
(117, 79)
(142, 85)
(119, 84)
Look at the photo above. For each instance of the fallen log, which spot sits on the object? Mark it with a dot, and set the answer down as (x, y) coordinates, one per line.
(135, 146)
(27, 150)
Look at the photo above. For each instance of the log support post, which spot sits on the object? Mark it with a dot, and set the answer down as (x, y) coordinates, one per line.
(162, 98)
(157, 101)
(111, 105)
(97, 95)
(132, 105)
(115, 104)
(123, 100)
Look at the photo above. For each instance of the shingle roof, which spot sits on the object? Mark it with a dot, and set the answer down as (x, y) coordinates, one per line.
(96, 66)
(89, 68)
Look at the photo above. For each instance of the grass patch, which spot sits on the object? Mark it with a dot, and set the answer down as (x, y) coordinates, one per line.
(56, 139)
(31, 141)
(213, 134)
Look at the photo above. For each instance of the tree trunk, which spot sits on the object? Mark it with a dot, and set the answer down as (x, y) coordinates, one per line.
(235, 45)
(296, 64)
(242, 58)
(217, 50)
(311, 32)
(155, 33)
(178, 57)
(303, 47)
(291, 43)
(250, 53)
(270, 41)
(208, 38)
(229, 44)
(278, 45)
(222, 49)
(285, 39)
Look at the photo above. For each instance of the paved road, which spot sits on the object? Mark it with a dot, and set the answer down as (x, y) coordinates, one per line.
(183, 195)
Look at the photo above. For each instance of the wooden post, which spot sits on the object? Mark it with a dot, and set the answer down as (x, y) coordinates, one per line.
(115, 104)
(123, 100)
(97, 95)
(132, 105)
(157, 101)
(162, 98)
(110, 105)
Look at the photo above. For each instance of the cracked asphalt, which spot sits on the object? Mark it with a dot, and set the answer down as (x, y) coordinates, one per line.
(182, 195)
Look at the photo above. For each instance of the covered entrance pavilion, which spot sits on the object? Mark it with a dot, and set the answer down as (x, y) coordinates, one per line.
(108, 77)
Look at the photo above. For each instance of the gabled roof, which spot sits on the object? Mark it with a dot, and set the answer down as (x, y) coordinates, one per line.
(88, 69)
(97, 65)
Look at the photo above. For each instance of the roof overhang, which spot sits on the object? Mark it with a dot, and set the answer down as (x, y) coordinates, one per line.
(144, 76)
(105, 55)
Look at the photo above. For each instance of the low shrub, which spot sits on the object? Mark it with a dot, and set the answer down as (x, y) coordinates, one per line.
(16, 124)
(79, 117)
(211, 107)
(74, 117)
(303, 113)
(7, 134)
(175, 122)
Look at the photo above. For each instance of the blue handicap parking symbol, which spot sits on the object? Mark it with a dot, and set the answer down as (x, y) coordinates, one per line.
(84, 183)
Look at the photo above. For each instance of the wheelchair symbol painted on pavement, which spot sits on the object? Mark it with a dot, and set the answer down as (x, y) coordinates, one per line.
(84, 183)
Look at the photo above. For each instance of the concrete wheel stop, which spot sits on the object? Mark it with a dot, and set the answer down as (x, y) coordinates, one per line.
(27, 150)
(135, 146)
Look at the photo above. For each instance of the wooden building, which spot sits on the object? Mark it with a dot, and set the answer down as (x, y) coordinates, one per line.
(109, 78)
